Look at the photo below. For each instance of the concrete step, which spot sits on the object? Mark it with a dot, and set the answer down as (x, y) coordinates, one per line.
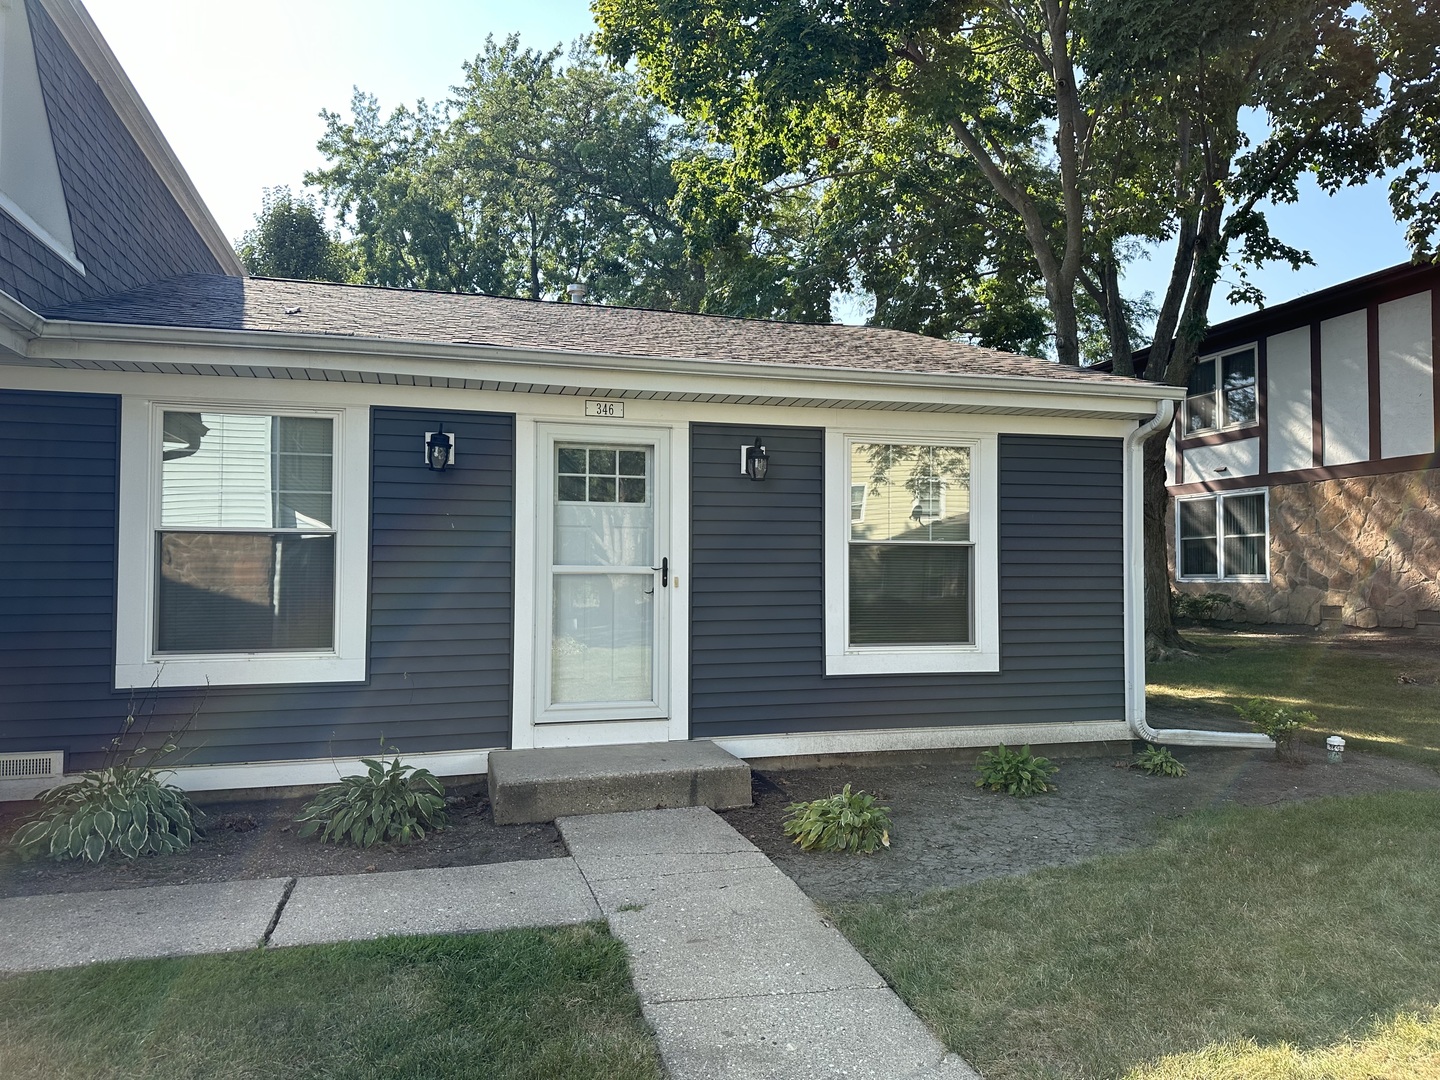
(541, 785)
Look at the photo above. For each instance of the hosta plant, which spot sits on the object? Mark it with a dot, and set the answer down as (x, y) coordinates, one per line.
(387, 802)
(1015, 772)
(849, 821)
(121, 809)
(1158, 761)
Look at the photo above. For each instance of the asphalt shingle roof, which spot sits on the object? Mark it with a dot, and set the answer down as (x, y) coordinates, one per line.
(205, 301)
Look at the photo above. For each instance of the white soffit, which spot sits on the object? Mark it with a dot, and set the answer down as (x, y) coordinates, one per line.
(30, 189)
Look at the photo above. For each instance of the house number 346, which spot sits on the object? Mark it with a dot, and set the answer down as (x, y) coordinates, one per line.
(613, 410)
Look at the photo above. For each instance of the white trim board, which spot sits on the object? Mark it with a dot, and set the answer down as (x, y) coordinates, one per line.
(309, 772)
(873, 740)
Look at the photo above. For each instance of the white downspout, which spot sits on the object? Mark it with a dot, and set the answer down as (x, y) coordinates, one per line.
(1135, 605)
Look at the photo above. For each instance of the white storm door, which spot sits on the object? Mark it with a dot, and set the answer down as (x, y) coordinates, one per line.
(604, 609)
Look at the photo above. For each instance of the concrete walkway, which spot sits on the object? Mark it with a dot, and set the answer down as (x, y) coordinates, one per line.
(738, 974)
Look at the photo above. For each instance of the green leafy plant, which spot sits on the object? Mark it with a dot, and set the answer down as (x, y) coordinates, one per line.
(849, 821)
(1280, 722)
(1015, 772)
(388, 802)
(121, 808)
(1158, 761)
(1201, 607)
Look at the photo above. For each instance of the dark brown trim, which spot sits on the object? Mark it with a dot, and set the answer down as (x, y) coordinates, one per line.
(1411, 463)
(1435, 357)
(1228, 435)
(1372, 375)
(1262, 401)
(1393, 283)
(1317, 422)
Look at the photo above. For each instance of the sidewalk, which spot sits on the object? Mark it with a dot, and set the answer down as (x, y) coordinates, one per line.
(737, 973)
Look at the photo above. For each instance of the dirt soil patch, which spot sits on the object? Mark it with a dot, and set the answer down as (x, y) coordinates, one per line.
(947, 832)
(258, 839)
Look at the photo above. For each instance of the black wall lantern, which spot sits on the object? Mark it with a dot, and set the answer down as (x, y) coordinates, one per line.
(754, 460)
(439, 450)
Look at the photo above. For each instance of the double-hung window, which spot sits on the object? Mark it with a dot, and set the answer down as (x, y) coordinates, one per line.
(1221, 393)
(1222, 537)
(242, 545)
(911, 559)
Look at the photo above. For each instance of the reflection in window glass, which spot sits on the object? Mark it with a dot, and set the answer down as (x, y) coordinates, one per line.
(245, 551)
(910, 556)
(601, 474)
(1223, 536)
(1221, 392)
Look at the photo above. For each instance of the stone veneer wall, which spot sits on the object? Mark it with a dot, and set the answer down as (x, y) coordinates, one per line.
(1363, 552)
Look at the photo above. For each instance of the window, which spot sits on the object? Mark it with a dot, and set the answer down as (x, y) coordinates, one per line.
(242, 543)
(910, 556)
(1223, 537)
(1221, 393)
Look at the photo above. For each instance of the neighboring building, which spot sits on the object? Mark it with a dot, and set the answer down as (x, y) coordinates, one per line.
(219, 492)
(1302, 461)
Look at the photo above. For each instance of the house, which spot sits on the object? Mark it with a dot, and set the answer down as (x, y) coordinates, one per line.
(1302, 459)
(330, 519)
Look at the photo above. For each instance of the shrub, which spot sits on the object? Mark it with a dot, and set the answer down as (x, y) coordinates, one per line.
(387, 802)
(843, 822)
(1015, 772)
(1280, 722)
(1158, 761)
(120, 809)
(1200, 607)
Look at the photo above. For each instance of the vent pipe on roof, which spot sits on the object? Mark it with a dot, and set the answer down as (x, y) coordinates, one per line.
(578, 292)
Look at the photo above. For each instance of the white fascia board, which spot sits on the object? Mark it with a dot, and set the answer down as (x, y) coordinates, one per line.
(19, 326)
(83, 36)
(64, 340)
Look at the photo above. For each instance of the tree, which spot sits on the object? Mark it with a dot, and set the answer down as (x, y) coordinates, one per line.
(1097, 126)
(289, 240)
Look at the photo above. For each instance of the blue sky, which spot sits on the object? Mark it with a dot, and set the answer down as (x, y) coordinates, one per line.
(237, 89)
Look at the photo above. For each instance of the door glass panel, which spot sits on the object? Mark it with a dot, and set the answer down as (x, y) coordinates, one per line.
(602, 646)
(603, 513)
(602, 634)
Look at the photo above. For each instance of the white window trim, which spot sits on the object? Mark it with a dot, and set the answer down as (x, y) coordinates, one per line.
(841, 658)
(1218, 394)
(136, 664)
(1219, 497)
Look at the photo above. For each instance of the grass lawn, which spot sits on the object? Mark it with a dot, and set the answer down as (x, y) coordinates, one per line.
(535, 1004)
(1352, 691)
(1301, 942)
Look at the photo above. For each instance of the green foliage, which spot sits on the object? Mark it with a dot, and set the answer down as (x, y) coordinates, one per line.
(1202, 607)
(1015, 772)
(289, 240)
(122, 809)
(387, 802)
(1280, 722)
(843, 822)
(1158, 761)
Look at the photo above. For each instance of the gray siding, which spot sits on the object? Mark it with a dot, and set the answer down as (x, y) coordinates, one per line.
(128, 230)
(757, 587)
(440, 596)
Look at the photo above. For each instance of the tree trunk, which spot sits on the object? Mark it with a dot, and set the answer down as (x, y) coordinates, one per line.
(1162, 640)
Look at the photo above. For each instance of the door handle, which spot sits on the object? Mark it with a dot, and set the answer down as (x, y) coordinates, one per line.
(664, 569)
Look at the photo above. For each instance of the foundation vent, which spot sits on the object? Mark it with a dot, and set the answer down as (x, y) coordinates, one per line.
(23, 776)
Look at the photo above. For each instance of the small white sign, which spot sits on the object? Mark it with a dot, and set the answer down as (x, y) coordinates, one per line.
(611, 410)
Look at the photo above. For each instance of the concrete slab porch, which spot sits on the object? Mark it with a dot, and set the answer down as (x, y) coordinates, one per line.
(542, 785)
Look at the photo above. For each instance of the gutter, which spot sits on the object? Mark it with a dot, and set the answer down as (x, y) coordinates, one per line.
(1134, 547)
(418, 357)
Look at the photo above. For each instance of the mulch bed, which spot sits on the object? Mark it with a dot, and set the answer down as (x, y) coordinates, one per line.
(258, 839)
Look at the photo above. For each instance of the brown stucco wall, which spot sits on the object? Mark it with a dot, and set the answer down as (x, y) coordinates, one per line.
(1362, 552)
